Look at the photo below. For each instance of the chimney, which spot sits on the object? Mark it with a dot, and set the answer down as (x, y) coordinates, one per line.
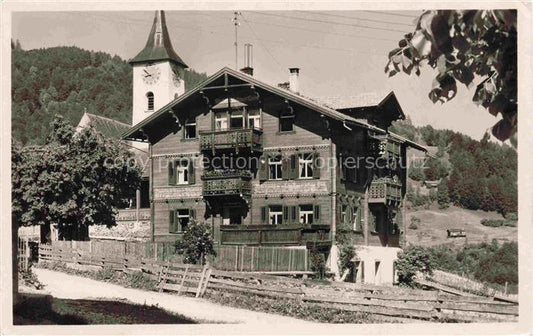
(294, 85)
(248, 59)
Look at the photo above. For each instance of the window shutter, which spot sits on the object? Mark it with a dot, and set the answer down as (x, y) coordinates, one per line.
(263, 168)
(286, 219)
(316, 166)
(171, 223)
(171, 173)
(294, 167)
(285, 168)
(192, 213)
(263, 215)
(340, 171)
(294, 215)
(190, 168)
(316, 214)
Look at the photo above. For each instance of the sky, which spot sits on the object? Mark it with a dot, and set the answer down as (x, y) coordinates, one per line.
(341, 54)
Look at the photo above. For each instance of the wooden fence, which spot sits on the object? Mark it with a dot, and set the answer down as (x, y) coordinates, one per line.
(465, 284)
(392, 302)
(229, 258)
(261, 259)
(23, 255)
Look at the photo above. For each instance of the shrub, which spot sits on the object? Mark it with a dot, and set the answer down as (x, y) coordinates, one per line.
(196, 243)
(411, 261)
(346, 255)
(318, 264)
(492, 222)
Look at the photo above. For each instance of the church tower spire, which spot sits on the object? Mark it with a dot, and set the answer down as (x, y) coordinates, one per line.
(158, 47)
(158, 72)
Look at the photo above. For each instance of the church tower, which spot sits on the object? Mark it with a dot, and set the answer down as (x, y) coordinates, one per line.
(157, 72)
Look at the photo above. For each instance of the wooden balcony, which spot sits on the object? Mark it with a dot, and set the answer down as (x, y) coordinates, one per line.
(232, 139)
(385, 192)
(256, 235)
(385, 147)
(227, 183)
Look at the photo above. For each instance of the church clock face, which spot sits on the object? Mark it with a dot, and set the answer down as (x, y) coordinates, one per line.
(151, 74)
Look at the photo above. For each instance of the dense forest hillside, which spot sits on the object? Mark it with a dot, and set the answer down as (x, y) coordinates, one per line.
(69, 81)
(473, 174)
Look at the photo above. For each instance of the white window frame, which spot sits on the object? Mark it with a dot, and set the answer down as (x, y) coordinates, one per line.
(221, 121)
(277, 163)
(237, 114)
(182, 172)
(306, 216)
(305, 165)
(186, 134)
(344, 208)
(275, 216)
(254, 115)
(183, 216)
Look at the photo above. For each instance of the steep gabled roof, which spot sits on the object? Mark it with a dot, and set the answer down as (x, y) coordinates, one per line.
(136, 132)
(158, 47)
(109, 128)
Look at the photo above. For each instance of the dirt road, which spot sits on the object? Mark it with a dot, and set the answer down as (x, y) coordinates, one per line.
(67, 286)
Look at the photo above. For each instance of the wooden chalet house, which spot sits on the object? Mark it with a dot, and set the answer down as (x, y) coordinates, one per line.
(253, 160)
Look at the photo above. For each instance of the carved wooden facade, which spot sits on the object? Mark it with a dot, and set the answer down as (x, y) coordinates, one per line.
(261, 165)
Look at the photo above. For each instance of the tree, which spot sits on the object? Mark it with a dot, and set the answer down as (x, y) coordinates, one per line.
(442, 194)
(414, 260)
(196, 243)
(74, 181)
(463, 45)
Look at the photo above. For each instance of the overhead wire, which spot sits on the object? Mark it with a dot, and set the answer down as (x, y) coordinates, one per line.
(327, 22)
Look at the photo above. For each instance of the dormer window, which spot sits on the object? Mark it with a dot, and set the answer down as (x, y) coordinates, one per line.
(237, 119)
(286, 122)
(150, 101)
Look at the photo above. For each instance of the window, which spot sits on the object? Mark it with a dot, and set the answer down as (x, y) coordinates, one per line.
(276, 215)
(189, 132)
(355, 220)
(182, 172)
(274, 168)
(221, 121)
(180, 219)
(237, 120)
(183, 217)
(306, 165)
(344, 207)
(150, 100)
(254, 119)
(306, 214)
(286, 122)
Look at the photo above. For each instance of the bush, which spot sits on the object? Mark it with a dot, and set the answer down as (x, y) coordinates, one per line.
(318, 264)
(492, 222)
(346, 255)
(196, 243)
(411, 261)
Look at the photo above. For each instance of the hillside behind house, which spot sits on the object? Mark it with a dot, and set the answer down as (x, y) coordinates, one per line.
(69, 81)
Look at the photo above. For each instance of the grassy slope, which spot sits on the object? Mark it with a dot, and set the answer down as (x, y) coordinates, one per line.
(435, 222)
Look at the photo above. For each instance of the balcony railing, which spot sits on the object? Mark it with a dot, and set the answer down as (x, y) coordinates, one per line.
(250, 138)
(385, 191)
(227, 183)
(274, 234)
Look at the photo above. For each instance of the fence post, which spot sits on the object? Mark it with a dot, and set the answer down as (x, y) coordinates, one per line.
(27, 257)
(506, 287)
(236, 258)
(252, 261)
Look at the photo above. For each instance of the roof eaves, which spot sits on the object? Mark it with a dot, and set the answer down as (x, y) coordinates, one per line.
(171, 104)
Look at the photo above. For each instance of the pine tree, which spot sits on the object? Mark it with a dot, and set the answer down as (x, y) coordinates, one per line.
(442, 194)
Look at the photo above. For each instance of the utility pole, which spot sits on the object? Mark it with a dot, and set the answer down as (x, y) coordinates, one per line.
(236, 24)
